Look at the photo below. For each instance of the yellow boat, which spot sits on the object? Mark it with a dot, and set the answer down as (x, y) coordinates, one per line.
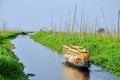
(76, 56)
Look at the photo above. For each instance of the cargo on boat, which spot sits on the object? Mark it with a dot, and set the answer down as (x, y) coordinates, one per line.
(76, 56)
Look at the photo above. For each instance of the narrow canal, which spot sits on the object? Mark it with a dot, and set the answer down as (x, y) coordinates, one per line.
(48, 65)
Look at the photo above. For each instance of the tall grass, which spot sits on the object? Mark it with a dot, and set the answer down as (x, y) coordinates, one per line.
(10, 67)
(104, 52)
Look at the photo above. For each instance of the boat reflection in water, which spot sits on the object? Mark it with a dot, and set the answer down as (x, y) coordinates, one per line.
(71, 73)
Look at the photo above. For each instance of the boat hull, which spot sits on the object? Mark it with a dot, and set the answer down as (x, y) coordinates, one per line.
(79, 65)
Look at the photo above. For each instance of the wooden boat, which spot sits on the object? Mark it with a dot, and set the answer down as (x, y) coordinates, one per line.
(76, 56)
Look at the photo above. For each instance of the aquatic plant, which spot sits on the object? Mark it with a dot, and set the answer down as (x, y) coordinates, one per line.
(104, 50)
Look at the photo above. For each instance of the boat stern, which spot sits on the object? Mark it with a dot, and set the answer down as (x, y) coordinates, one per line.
(84, 64)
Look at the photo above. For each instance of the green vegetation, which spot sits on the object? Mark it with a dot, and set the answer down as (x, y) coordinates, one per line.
(10, 67)
(104, 50)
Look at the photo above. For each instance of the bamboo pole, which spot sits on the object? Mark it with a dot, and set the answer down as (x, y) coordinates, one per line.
(114, 30)
(84, 31)
(69, 23)
(96, 23)
(51, 21)
(60, 27)
(4, 26)
(91, 29)
(104, 18)
(108, 34)
(74, 19)
(118, 23)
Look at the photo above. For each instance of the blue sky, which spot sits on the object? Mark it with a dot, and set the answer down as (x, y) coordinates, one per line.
(36, 14)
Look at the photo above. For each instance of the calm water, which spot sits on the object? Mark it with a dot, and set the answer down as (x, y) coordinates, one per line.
(48, 65)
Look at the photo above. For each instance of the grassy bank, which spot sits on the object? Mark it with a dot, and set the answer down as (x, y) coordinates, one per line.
(104, 50)
(10, 67)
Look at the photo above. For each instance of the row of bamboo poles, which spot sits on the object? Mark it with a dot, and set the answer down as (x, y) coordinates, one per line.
(83, 27)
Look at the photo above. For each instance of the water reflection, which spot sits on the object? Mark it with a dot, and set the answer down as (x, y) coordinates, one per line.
(71, 73)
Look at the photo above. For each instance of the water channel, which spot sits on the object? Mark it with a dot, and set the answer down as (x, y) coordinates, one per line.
(48, 65)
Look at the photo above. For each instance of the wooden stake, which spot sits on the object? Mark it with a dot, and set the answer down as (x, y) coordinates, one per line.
(118, 22)
(74, 20)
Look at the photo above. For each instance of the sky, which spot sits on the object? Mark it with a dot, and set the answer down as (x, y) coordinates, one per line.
(33, 15)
